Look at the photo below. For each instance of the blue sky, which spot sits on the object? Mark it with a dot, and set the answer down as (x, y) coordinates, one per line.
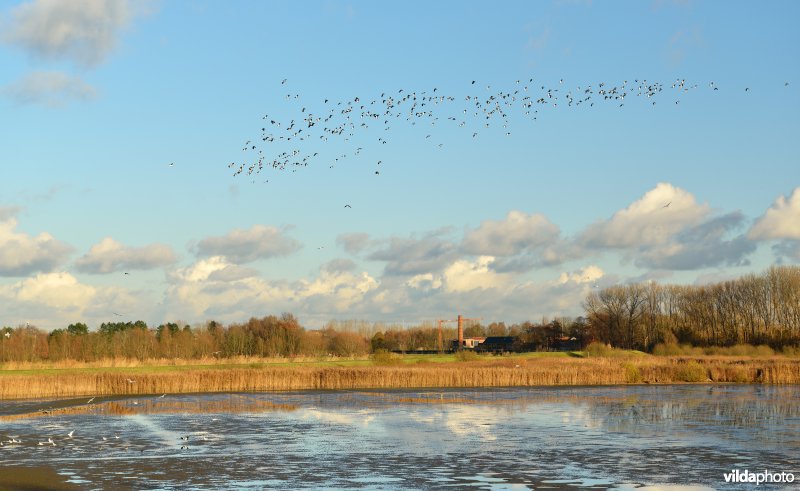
(99, 97)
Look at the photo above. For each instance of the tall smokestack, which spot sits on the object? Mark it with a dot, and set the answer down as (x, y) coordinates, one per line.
(460, 332)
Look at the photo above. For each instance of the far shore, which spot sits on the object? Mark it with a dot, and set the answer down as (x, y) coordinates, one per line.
(395, 372)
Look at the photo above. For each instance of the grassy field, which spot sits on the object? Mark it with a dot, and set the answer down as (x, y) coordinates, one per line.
(127, 377)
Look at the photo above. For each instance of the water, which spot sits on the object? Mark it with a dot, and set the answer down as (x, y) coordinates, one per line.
(651, 437)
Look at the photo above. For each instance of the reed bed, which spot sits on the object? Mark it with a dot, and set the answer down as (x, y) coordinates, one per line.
(494, 372)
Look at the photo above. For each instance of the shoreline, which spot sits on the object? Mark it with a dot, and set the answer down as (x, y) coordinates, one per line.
(499, 372)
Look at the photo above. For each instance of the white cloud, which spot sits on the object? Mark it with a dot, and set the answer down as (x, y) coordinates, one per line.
(60, 290)
(53, 89)
(425, 281)
(518, 232)
(340, 289)
(463, 275)
(653, 219)
(204, 290)
(242, 246)
(53, 300)
(82, 31)
(21, 254)
(109, 256)
(588, 274)
(780, 221)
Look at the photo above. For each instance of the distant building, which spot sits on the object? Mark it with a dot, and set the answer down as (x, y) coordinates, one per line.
(497, 344)
(566, 343)
(469, 343)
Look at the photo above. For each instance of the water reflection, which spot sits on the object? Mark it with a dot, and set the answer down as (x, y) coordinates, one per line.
(591, 437)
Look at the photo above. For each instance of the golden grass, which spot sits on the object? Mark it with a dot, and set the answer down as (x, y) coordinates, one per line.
(486, 372)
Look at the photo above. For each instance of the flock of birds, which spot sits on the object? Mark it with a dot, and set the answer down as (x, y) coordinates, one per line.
(299, 142)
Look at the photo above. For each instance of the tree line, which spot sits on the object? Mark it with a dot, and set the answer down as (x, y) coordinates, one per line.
(270, 336)
(754, 309)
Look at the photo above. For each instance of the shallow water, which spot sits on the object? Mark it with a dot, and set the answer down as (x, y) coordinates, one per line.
(513, 438)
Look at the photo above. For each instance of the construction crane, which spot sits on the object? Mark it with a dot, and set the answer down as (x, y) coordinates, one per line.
(460, 321)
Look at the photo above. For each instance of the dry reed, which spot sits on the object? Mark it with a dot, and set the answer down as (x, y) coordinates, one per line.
(484, 373)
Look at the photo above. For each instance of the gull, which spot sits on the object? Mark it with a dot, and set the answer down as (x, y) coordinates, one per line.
(90, 400)
(162, 395)
(131, 381)
(69, 435)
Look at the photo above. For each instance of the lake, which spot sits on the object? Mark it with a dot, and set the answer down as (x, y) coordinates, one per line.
(621, 437)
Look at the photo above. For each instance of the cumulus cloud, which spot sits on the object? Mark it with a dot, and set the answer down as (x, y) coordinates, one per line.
(60, 290)
(243, 246)
(109, 256)
(780, 221)
(416, 256)
(232, 272)
(8, 212)
(353, 243)
(653, 219)
(336, 291)
(216, 288)
(207, 289)
(53, 300)
(21, 254)
(425, 281)
(517, 233)
(339, 265)
(82, 31)
(787, 251)
(667, 229)
(705, 244)
(53, 89)
(465, 275)
(588, 274)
